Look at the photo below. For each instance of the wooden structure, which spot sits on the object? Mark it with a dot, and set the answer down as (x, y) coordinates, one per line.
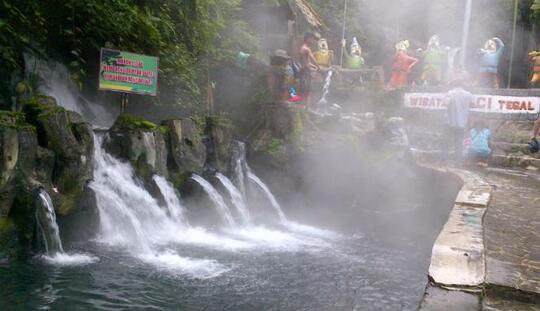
(282, 23)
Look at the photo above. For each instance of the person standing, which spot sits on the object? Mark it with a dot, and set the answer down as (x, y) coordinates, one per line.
(457, 118)
(309, 65)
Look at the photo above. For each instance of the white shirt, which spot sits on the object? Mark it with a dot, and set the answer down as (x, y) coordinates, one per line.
(457, 111)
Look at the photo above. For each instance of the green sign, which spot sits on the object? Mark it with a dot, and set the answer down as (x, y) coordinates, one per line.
(128, 73)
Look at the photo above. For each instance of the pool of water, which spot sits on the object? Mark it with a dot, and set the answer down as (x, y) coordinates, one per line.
(363, 244)
(292, 267)
(264, 270)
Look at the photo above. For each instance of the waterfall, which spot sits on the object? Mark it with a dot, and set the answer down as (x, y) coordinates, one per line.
(237, 198)
(173, 205)
(322, 105)
(46, 221)
(268, 194)
(241, 169)
(55, 81)
(129, 215)
(239, 165)
(217, 200)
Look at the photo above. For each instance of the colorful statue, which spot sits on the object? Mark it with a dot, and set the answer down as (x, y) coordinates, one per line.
(490, 56)
(324, 56)
(534, 56)
(401, 66)
(354, 59)
(435, 60)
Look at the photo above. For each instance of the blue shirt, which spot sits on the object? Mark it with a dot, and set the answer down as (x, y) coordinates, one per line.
(480, 142)
(457, 111)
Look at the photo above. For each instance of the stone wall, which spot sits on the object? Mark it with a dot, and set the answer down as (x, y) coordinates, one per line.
(44, 147)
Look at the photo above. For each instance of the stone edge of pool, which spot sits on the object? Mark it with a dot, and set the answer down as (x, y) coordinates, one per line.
(457, 269)
(457, 272)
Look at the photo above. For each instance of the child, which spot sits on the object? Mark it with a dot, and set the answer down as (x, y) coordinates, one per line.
(479, 150)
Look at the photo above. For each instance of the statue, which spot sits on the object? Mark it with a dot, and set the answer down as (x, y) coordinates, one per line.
(534, 56)
(354, 59)
(434, 59)
(324, 56)
(401, 66)
(490, 56)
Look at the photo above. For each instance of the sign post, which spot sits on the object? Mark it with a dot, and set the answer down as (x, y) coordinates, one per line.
(128, 73)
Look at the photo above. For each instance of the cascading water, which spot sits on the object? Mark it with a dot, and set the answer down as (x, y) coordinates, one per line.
(216, 198)
(239, 164)
(242, 170)
(55, 81)
(237, 198)
(172, 201)
(129, 215)
(268, 194)
(48, 228)
(322, 105)
(50, 235)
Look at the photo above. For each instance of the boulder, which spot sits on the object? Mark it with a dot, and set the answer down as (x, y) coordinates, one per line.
(219, 138)
(141, 143)
(19, 181)
(71, 139)
(187, 151)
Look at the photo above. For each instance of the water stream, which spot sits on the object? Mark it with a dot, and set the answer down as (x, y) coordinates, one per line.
(322, 105)
(216, 198)
(236, 197)
(175, 209)
(268, 194)
(47, 225)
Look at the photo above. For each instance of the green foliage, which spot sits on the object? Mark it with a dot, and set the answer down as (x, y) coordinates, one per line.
(275, 147)
(218, 121)
(186, 35)
(535, 10)
(15, 120)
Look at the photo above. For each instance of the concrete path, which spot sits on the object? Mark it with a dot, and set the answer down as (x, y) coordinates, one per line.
(506, 276)
(512, 240)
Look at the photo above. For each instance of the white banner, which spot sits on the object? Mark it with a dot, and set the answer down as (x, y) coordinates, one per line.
(481, 103)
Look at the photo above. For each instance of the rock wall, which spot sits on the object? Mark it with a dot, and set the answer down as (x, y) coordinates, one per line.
(46, 147)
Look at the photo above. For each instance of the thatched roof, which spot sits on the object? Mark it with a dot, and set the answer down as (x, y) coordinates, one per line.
(309, 14)
(300, 8)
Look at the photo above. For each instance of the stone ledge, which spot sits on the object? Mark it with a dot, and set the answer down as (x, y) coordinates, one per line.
(458, 257)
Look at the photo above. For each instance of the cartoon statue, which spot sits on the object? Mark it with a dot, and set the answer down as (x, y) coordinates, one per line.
(401, 66)
(490, 56)
(324, 56)
(534, 56)
(354, 60)
(434, 59)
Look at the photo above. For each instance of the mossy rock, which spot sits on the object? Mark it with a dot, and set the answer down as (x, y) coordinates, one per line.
(40, 105)
(140, 142)
(219, 132)
(219, 121)
(187, 151)
(130, 122)
(14, 120)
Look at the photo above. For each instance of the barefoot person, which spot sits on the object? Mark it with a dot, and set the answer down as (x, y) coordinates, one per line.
(309, 65)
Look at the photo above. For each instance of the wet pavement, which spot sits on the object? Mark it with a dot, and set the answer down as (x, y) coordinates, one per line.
(512, 240)
(511, 247)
